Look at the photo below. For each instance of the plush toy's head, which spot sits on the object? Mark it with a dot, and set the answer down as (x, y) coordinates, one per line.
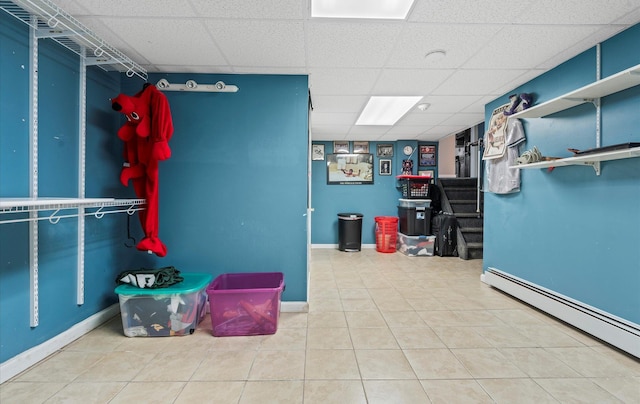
(137, 112)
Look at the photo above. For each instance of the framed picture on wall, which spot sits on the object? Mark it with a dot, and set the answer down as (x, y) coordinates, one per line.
(384, 167)
(428, 155)
(361, 147)
(317, 151)
(426, 173)
(349, 169)
(384, 150)
(341, 147)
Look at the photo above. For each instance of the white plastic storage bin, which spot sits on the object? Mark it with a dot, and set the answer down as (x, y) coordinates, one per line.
(414, 203)
(415, 246)
(163, 312)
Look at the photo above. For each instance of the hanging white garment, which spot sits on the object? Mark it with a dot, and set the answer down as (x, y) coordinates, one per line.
(500, 178)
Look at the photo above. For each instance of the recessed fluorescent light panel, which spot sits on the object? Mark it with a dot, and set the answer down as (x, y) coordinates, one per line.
(386, 110)
(381, 9)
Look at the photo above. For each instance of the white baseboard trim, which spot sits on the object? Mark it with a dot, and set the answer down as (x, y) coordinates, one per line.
(335, 246)
(294, 307)
(30, 357)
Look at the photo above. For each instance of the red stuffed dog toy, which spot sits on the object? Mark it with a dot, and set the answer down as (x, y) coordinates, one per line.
(145, 135)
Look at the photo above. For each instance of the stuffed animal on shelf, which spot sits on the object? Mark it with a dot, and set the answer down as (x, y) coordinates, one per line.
(146, 134)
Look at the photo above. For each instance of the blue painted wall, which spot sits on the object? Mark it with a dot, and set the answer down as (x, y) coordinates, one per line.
(570, 230)
(378, 199)
(233, 195)
(58, 176)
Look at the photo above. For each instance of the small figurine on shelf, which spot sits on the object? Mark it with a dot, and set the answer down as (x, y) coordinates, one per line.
(407, 167)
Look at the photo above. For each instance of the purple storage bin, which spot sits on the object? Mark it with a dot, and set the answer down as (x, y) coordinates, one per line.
(245, 303)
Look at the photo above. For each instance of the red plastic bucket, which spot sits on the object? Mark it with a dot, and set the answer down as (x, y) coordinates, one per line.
(386, 233)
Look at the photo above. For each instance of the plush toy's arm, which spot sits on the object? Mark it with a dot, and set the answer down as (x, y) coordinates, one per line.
(162, 125)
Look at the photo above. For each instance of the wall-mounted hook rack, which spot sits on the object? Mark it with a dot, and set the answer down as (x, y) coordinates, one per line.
(191, 85)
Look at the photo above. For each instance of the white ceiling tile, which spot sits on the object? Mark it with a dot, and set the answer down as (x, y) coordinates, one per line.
(409, 81)
(342, 81)
(467, 11)
(449, 103)
(261, 43)
(476, 82)
(420, 118)
(330, 132)
(234, 9)
(464, 119)
(531, 44)
(363, 132)
(459, 41)
(338, 103)
(130, 9)
(269, 70)
(333, 118)
(350, 44)
(441, 131)
(576, 11)
(169, 41)
(492, 47)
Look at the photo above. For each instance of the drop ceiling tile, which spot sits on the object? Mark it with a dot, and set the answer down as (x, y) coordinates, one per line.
(442, 131)
(350, 44)
(342, 81)
(338, 103)
(405, 132)
(419, 118)
(409, 81)
(531, 45)
(130, 9)
(570, 51)
(330, 132)
(270, 70)
(476, 82)
(467, 11)
(333, 118)
(449, 103)
(364, 132)
(168, 41)
(459, 41)
(576, 11)
(464, 119)
(259, 42)
(272, 9)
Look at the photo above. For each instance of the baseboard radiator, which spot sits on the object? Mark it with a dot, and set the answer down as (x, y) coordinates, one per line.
(616, 331)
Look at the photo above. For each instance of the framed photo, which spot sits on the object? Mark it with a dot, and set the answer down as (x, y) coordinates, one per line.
(341, 147)
(349, 169)
(361, 147)
(317, 152)
(426, 173)
(428, 155)
(384, 167)
(385, 150)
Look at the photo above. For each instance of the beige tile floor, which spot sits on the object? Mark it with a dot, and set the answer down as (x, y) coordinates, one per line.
(381, 328)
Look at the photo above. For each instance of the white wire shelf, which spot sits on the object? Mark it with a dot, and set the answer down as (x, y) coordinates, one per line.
(58, 206)
(53, 22)
(592, 160)
(609, 85)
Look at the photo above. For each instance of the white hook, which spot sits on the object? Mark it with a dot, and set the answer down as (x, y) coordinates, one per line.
(130, 72)
(53, 21)
(98, 51)
(99, 213)
(53, 219)
(131, 210)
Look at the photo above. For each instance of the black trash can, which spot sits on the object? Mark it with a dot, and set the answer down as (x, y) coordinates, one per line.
(349, 231)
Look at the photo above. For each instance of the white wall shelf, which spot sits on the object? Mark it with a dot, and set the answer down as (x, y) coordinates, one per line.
(592, 160)
(9, 207)
(54, 23)
(601, 88)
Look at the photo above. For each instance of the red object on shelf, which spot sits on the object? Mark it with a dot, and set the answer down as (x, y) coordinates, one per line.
(386, 233)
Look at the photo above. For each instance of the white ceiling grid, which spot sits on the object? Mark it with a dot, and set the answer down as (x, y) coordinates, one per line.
(491, 47)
